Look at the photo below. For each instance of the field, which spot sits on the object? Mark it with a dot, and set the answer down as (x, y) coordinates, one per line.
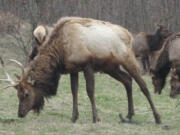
(110, 99)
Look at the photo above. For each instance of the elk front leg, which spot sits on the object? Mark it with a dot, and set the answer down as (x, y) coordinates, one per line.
(89, 77)
(74, 89)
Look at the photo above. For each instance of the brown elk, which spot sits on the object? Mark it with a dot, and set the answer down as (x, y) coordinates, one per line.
(168, 57)
(144, 44)
(75, 45)
(174, 81)
(42, 31)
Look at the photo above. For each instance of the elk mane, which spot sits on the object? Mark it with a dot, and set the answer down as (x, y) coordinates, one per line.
(51, 57)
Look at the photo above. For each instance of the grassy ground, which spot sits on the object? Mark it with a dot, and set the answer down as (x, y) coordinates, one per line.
(110, 99)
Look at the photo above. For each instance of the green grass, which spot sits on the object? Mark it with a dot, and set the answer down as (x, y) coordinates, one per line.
(111, 100)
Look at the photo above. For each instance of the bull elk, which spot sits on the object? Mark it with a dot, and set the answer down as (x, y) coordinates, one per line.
(80, 44)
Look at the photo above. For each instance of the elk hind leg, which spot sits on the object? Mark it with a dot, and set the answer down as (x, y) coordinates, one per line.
(136, 75)
(127, 82)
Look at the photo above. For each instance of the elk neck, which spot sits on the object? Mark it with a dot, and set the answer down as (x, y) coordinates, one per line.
(155, 41)
(45, 70)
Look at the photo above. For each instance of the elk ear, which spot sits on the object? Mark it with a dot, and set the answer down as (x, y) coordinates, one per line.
(40, 33)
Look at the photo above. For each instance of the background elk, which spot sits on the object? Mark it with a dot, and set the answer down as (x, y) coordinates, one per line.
(144, 44)
(174, 81)
(40, 34)
(168, 57)
(80, 44)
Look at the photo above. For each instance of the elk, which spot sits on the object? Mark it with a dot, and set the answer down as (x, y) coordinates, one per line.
(80, 45)
(144, 44)
(168, 58)
(42, 31)
(174, 81)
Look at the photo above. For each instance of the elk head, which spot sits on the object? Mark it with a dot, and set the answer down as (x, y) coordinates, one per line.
(29, 96)
(158, 81)
(40, 33)
(158, 84)
(163, 31)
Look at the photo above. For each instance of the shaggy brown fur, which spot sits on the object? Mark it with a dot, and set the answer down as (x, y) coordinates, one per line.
(163, 64)
(58, 56)
(144, 44)
(156, 41)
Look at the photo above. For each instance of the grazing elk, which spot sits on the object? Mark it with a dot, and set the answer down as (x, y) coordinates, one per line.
(39, 33)
(144, 44)
(174, 81)
(168, 58)
(80, 44)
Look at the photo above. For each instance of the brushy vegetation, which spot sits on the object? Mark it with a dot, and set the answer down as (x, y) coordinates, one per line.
(110, 99)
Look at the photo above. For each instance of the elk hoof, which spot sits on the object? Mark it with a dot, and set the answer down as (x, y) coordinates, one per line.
(96, 119)
(124, 120)
(73, 119)
(157, 118)
(166, 127)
